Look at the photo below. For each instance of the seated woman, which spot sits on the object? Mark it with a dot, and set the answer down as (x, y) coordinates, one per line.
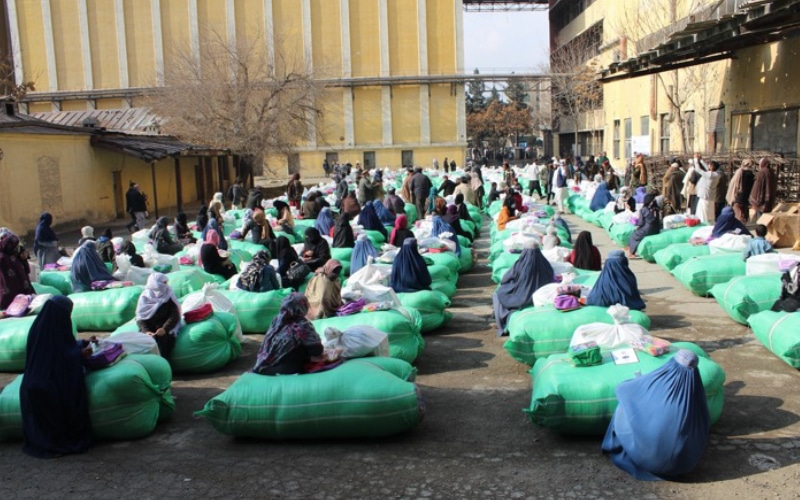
(105, 248)
(285, 218)
(53, 398)
(287, 256)
(461, 205)
(507, 213)
(625, 201)
(494, 194)
(158, 313)
(409, 271)
(649, 224)
(215, 224)
(129, 249)
(87, 268)
(182, 231)
(259, 230)
(454, 221)
(616, 284)
(259, 276)
(14, 279)
(558, 220)
(45, 242)
(162, 238)
(660, 427)
(551, 239)
(440, 226)
(291, 340)
(343, 236)
(790, 291)
(324, 291)
(350, 205)
(528, 274)
(602, 197)
(316, 251)
(386, 217)
(202, 220)
(400, 233)
(87, 233)
(728, 223)
(311, 207)
(363, 250)
(212, 261)
(584, 254)
(369, 220)
(394, 203)
(325, 222)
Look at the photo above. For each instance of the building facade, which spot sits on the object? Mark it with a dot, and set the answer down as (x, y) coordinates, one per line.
(385, 64)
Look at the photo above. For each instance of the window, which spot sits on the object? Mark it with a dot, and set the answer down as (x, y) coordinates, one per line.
(407, 158)
(775, 131)
(644, 125)
(664, 121)
(369, 160)
(628, 136)
(616, 139)
(689, 117)
(716, 129)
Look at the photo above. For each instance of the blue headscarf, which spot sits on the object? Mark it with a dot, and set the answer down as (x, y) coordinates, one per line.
(640, 194)
(213, 224)
(528, 274)
(361, 251)
(368, 219)
(440, 226)
(728, 223)
(557, 219)
(616, 284)
(431, 200)
(601, 197)
(53, 396)
(386, 217)
(324, 222)
(87, 267)
(409, 271)
(44, 233)
(661, 425)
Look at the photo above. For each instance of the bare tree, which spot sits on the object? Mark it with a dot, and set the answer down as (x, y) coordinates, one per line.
(8, 80)
(236, 95)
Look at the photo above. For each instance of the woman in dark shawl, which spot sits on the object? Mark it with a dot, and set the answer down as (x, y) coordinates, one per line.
(400, 232)
(285, 217)
(259, 276)
(158, 313)
(440, 226)
(409, 271)
(343, 236)
(452, 218)
(789, 300)
(384, 215)
(325, 222)
(625, 201)
(673, 185)
(202, 220)
(602, 197)
(361, 252)
(316, 251)
(324, 291)
(762, 196)
(213, 224)
(350, 205)
(212, 261)
(616, 284)
(369, 220)
(53, 398)
(162, 238)
(660, 427)
(105, 248)
(494, 194)
(311, 206)
(45, 243)
(14, 279)
(584, 254)
(88, 268)
(649, 224)
(728, 223)
(182, 230)
(286, 255)
(528, 274)
(129, 249)
(291, 340)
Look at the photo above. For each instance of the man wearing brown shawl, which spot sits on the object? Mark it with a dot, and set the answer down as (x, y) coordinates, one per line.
(762, 197)
(672, 185)
(738, 195)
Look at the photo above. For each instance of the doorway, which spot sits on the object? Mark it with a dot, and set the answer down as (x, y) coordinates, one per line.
(369, 160)
(408, 158)
(294, 163)
(119, 200)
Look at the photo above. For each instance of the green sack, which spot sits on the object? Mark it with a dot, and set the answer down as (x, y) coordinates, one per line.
(448, 288)
(403, 326)
(186, 281)
(376, 237)
(700, 274)
(439, 272)
(431, 306)
(538, 332)
(104, 310)
(57, 279)
(362, 398)
(671, 257)
(44, 289)
(411, 213)
(343, 255)
(586, 356)
(465, 260)
(606, 220)
(14, 342)
(256, 310)
(651, 244)
(621, 233)
(582, 400)
(201, 347)
(780, 334)
(447, 259)
(503, 263)
(746, 295)
(248, 247)
(126, 400)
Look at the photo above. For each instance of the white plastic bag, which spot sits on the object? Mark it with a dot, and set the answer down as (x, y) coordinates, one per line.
(729, 243)
(152, 258)
(768, 263)
(520, 241)
(220, 303)
(38, 302)
(556, 254)
(370, 274)
(622, 332)
(357, 341)
(133, 343)
(674, 221)
(703, 232)
(546, 295)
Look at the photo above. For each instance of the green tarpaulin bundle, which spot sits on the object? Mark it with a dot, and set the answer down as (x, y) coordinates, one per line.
(700, 274)
(411, 212)
(362, 398)
(447, 259)
(746, 295)
(780, 334)
(581, 400)
(503, 263)
(201, 347)
(448, 288)
(621, 233)
(44, 289)
(59, 280)
(343, 255)
(538, 332)
(104, 310)
(676, 254)
(256, 310)
(14, 342)
(430, 305)
(651, 244)
(376, 237)
(186, 281)
(403, 326)
(248, 247)
(126, 400)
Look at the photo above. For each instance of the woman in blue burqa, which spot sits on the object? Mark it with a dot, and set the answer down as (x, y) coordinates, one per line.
(409, 271)
(45, 242)
(361, 252)
(728, 223)
(325, 222)
(602, 197)
(213, 223)
(87, 268)
(528, 274)
(648, 225)
(369, 220)
(440, 226)
(386, 217)
(616, 284)
(661, 425)
(558, 220)
(53, 397)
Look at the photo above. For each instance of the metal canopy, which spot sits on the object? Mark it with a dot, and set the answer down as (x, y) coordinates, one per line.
(151, 148)
(504, 5)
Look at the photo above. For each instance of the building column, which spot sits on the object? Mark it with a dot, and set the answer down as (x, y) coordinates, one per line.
(49, 47)
(383, 31)
(386, 114)
(122, 44)
(194, 30)
(461, 111)
(269, 34)
(86, 48)
(424, 114)
(344, 8)
(158, 41)
(308, 60)
(349, 123)
(16, 50)
(422, 36)
(230, 22)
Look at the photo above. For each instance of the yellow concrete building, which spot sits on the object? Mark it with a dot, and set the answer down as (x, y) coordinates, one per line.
(385, 63)
(661, 101)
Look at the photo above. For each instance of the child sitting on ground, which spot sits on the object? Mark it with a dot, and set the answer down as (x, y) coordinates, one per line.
(758, 245)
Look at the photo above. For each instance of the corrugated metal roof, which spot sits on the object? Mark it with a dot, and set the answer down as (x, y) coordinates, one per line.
(130, 121)
(150, 148)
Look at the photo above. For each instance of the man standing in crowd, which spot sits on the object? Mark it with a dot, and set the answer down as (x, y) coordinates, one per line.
(447, 187)
(720, 192)
(445, 165)
(533, 172)
(421, 188)
(706, 188)
(236, 194)
(765, 186)
(560, 182)
(739, 191)
(137, 207)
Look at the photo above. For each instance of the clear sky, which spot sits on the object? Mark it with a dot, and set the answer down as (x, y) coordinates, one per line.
(505, 40)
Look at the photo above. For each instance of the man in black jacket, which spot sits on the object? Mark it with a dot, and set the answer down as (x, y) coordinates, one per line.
(447, 187)
(421, 188)
(137, 207)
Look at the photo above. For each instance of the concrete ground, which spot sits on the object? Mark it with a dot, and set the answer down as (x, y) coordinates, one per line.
(475, 441)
